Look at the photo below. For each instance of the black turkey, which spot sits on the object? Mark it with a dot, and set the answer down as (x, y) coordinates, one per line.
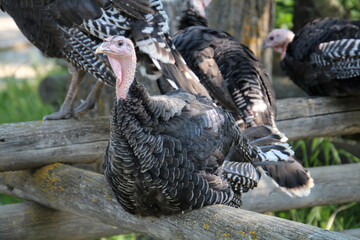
(173, 152)
(323, 58)
(238, 81)
(72, 29)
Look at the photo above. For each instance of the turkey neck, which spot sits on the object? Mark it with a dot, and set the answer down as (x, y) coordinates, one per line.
(288, 39)
(124, 69)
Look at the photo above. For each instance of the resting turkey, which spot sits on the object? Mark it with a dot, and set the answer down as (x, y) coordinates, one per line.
(323, 58)
(238, 81)
(173, 152)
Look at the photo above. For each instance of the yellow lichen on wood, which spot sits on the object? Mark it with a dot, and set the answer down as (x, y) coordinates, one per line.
(253, 236)
(11, 177)
(206, 226)
(226, 234)
(45, 178)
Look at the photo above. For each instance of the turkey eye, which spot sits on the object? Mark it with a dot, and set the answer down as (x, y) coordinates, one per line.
(120, 43)
(271, 38)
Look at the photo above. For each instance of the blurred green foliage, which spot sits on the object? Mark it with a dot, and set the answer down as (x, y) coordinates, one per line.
(332, 217)
(322, 152)
(352, 8)
(285, 8)
(5, 199)
(19, 101)
(284, 13)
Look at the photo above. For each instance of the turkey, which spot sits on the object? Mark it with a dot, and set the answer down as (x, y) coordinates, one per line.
(72, 30)
(323, 58)
(173, 152)
(238, 81)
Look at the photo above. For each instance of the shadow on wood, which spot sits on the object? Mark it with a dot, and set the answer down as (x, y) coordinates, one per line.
(32, 221)
(352, 232)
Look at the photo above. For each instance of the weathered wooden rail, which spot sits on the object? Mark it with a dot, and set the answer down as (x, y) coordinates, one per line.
(333, 184)
(32, 221)
(34, 144)
(301, 118)
(87, 194)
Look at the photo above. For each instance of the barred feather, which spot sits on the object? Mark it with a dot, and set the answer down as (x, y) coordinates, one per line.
(82, 55)
(340, 48)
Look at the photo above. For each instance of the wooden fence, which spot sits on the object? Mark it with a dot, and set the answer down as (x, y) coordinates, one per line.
(73, 203)
(34, 144)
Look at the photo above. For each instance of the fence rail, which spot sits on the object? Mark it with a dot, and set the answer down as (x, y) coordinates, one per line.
(87, 194)
(34, 144)
(32, 221)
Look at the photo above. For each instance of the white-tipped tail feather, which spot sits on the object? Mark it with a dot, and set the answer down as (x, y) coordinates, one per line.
(291, 177)
(300, 191)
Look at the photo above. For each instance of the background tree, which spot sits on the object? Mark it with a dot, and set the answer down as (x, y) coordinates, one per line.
(306, 10)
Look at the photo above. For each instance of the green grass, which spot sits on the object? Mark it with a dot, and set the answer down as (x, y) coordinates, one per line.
(331, 217)
(321, 152)
(5, 199)
(19, 102)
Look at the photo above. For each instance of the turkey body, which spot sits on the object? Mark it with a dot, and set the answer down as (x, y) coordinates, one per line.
(176, 152)
(324, 57)
(239, 83)
(173, 152)
(73, 29)
(230, 72)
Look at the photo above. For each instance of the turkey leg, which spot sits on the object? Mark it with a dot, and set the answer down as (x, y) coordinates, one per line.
(67, 108)
(91, 99)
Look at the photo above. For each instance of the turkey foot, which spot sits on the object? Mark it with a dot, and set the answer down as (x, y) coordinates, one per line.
(91, 99)
(67, 108)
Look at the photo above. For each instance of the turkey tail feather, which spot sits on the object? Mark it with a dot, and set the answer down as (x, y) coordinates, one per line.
(291, 176)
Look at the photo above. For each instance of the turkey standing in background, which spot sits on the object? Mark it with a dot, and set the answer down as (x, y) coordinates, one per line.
(238, 81)
(323, 58)
(173, 152)
(73, 29)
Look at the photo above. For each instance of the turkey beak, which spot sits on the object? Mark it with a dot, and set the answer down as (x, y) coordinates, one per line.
(264, 45)
(102, 48)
